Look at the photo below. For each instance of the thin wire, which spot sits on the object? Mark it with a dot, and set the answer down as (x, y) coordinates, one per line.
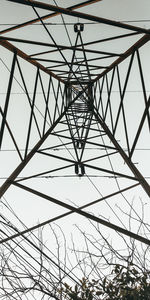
(71, 176)
(70, 23)
(61, 149)
(20, 93)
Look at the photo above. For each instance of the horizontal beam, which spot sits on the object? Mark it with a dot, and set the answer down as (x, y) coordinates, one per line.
(66, 11)
(62, 47)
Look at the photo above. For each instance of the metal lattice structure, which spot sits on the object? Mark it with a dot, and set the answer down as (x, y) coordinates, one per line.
(81, 106)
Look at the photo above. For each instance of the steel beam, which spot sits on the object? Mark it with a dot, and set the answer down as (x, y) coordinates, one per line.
(7, 98)
(62, 47)
(85, 214)
(65, 215)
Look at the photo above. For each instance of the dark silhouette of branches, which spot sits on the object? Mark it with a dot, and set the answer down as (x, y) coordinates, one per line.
(44, 265)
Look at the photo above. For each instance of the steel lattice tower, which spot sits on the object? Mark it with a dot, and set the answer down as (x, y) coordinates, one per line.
(80, 103)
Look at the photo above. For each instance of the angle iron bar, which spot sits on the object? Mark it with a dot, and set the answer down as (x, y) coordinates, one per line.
(111, 113)
(109, 90)
(92, 67)
(73, 56)
(46, 99)
(109, 39)
(143, 85)
(94, 91)
(85, 214)
(7, 97)
(57, 157)
(61, 136)
(62, 130)
(72, 137)
(85, 58)
(99, 157)
(32, 112)
(28, 96)
(101, 145)
(121, 108)
(56, 94)
(95, 136)
(111, 172)
(100, 102)
(12, 136)
(85, 138)
(44, 173)
(47, 112)
(125, 128)
(63, 99)
(64, 72)
(61, 47)
(56, 146)
(61, 63)
(140, 128)
(122, 94)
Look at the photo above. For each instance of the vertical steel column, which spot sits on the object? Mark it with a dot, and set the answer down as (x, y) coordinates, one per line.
(7, 98)
(32, 112)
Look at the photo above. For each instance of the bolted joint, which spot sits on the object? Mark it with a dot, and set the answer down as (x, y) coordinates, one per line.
(79, 169)
(78, 27)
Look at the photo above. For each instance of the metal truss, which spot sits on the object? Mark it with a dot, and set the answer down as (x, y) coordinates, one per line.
(84, 104)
